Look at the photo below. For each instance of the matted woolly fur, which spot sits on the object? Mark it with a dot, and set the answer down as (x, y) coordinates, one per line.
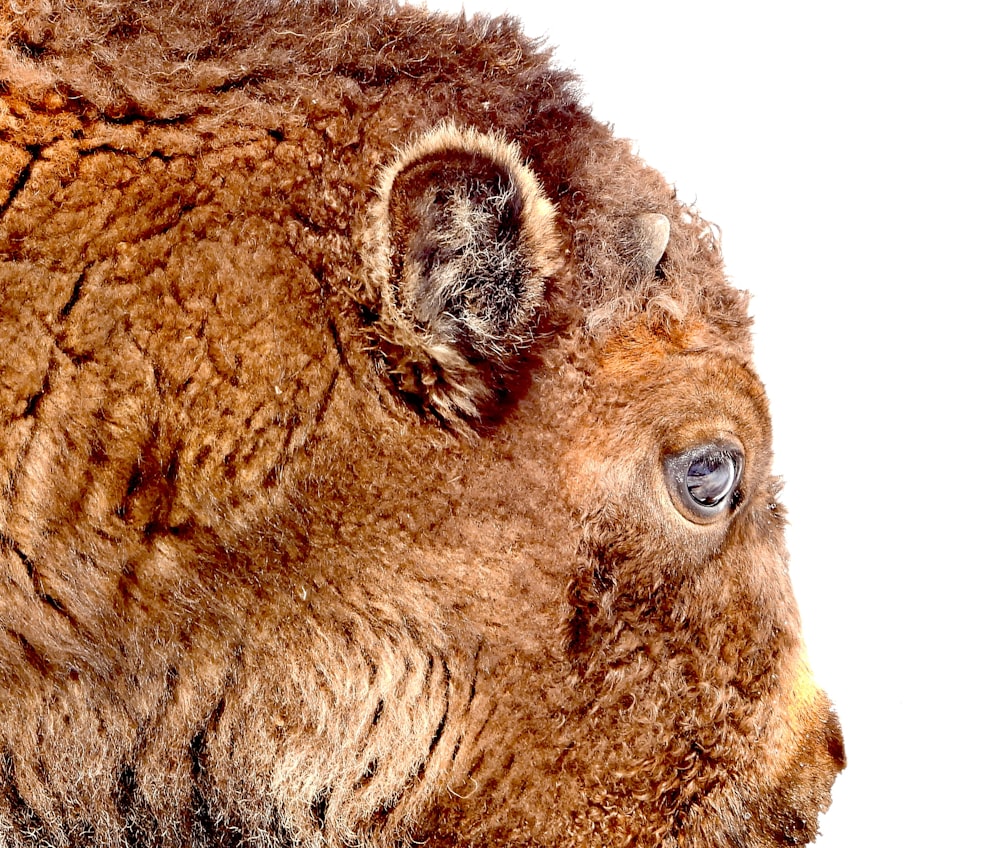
(381, 457)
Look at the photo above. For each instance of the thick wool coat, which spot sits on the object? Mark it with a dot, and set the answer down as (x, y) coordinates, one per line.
(340, 387)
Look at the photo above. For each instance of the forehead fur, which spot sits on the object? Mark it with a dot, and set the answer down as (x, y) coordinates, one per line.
(403, 71)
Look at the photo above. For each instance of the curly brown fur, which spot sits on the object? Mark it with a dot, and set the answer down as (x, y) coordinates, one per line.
(316, 528)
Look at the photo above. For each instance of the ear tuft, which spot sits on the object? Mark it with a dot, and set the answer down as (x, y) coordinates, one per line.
(463, 245)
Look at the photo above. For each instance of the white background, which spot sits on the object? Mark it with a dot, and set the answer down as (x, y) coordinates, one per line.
(848, 152)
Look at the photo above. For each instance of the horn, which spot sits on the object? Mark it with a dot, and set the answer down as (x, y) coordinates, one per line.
(653, 229)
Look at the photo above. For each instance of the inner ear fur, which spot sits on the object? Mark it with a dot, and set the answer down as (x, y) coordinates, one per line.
(465, 245)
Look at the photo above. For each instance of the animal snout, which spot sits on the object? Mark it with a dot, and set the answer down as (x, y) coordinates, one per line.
(804, 790)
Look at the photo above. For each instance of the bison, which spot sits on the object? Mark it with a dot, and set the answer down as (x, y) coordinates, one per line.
(381, 458)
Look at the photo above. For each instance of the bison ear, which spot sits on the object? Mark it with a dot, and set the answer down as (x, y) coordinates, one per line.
(466, 244)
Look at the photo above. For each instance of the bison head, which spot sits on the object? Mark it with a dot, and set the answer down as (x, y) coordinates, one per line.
(381, 457)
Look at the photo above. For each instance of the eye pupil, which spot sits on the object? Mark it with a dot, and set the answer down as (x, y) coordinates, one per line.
(705, 481)
(711, 478)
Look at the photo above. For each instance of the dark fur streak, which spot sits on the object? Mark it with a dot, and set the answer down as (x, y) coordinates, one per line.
(307, 223)
(134, 116)
(283, 838)
(35, 151)
(372, 668)
(35, 659)
(439, 730)
(197, 752)
(327, 397)
(377, 822)
(170, 472)
(134, 481)
(475, 675)
(31, 405)
(371, 769)
(208, 827)
(159, 155)
(291, 428)
(25, 819)
(29, 567)
(428, 673)
(55, 603)
(479, 732)
(11, 545)
(198, 744)
(29, 50)
(73, 298)
(239, 83)
(508, 763)
(140, 826)
(318, 808)
(477, 762)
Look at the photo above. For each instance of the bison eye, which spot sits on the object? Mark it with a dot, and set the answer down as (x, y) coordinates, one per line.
(704, 481)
